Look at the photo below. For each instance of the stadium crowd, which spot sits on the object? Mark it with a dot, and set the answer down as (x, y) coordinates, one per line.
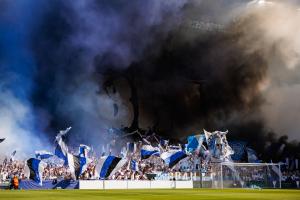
(152, 168)
(137, 168)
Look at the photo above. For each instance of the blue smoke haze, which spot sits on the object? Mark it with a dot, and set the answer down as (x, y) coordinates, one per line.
(17, 70)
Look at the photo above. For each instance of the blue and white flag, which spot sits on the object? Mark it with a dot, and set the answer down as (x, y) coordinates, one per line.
(61, 149)
(77, 165)
(194, 142)
(83, 164)
(175, 147)
(43, 154)
(164, 142)
(147, 151)
(131, 147)
(124, 152)
(171, 158)
(134, 165)
(84, 150)
(109, 165)
(36, 168)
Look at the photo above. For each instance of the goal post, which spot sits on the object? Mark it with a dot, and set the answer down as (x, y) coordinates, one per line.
(248, 175)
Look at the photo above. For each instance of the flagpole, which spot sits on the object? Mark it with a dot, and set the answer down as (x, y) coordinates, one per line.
(280, 178)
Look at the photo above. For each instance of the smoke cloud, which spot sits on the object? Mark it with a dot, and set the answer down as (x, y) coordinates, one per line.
(17, 66)
(181, 66)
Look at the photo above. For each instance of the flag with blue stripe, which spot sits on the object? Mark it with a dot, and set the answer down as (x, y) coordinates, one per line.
(77, 165)
(108, 165)
(171, 158)
(147, 151)
(83, 161)
(84, 150)
(131, 147)
(36, 168)
(134, 165)
(43, 154)
(194, 142)
(61, 149)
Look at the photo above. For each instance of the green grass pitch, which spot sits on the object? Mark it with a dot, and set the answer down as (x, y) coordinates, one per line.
(189, 194)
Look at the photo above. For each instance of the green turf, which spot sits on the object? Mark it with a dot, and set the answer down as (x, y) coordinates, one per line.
(191, 194)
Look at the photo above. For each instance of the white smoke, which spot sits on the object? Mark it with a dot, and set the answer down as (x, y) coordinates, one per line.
(274, 32)
(15, 117)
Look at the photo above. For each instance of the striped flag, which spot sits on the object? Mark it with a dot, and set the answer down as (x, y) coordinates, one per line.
(36, 168)
(147, 151)
(43, 154)
(108, 165)
(61, 149)
(74, 165)
(131, 147)
(194, 142)
(77, 165)
(84, 150)
(171, 158)
(134, 165)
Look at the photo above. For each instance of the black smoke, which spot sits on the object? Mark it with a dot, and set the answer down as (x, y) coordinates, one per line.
(113, 64)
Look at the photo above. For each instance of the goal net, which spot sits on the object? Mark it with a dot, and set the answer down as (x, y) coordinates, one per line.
(246, 175)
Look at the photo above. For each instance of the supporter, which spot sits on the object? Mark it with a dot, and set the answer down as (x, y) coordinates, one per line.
(145, 169)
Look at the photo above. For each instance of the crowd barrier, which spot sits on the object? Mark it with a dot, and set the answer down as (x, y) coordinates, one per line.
(48, 184)
(120, 184)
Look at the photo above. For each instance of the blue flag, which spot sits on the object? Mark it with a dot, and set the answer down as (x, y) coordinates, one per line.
(194, 142)
(134, 165)
(171, 158)
(36, 168)
(147, 151)
(61, 149)
(84, 150)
